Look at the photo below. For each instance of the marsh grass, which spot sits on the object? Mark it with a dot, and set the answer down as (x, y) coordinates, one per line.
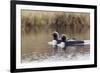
(72, 24)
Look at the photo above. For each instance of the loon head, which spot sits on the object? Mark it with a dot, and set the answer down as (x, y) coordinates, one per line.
(63, 38)
(55, 35)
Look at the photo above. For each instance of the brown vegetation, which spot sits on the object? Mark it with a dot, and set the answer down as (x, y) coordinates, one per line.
(68, 23)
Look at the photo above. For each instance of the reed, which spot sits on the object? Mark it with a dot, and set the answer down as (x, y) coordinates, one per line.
(71, 24)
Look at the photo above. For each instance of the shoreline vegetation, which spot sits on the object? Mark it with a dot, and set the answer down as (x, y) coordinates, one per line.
(71, 24)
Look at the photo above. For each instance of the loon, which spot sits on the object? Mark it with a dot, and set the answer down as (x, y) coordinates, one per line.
(56, 40)
(71, 42)
(63, 42)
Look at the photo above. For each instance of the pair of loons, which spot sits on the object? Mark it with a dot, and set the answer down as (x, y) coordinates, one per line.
(63, 42)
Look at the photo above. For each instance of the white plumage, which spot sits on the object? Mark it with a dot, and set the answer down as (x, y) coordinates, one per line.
(53, 43)
(61, 45)
(86, 42)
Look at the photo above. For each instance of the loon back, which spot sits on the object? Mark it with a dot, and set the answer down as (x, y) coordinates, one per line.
(74, 43)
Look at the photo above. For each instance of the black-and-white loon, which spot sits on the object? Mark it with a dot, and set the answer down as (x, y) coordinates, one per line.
(62, 42)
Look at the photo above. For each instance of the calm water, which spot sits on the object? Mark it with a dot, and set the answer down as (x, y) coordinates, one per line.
(36, 45)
